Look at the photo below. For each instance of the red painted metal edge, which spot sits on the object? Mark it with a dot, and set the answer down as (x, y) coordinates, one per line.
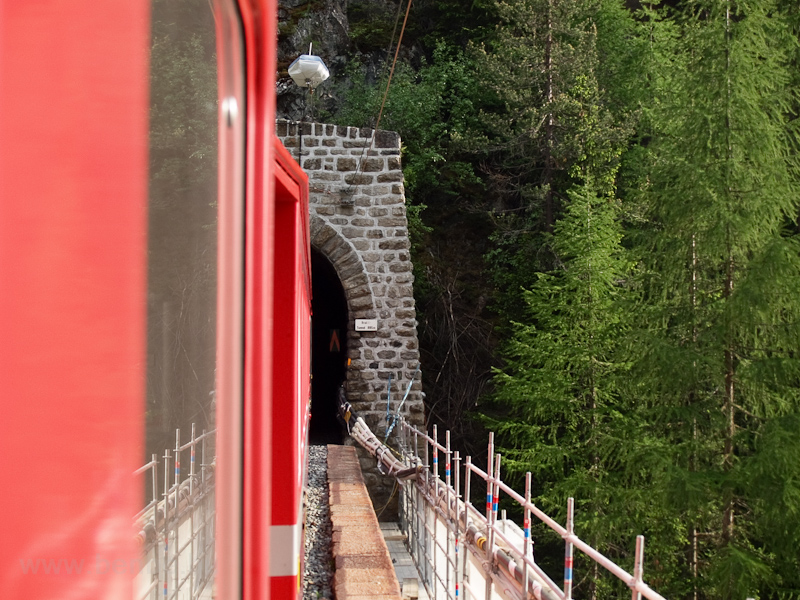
(288, 165)
(260, 27)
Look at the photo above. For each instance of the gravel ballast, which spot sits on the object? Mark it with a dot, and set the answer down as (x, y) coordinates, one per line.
(318, 574)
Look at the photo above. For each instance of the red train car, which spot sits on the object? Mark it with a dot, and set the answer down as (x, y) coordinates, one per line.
(154, 304)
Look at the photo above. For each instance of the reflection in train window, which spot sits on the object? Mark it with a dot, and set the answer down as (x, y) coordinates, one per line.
(181, 306)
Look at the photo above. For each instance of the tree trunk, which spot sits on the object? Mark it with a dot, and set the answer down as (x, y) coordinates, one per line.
(548, 161)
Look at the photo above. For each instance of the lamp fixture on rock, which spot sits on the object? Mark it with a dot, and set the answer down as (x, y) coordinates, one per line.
(308, 71)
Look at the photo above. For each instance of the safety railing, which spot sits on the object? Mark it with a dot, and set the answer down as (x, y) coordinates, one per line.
(463, 552)
(176, 527)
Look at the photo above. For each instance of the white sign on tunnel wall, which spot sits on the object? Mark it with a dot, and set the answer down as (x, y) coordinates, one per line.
(366, 324)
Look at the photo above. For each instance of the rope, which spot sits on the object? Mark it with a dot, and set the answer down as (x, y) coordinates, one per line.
(396, 415)
(388, 399)
(385, 93)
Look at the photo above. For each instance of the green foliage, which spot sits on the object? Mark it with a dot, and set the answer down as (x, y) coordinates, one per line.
(622, 187)
(371, 24)
(563, 417)
(432, 108)
(720, 278)
(454, 21)
(288, 26)
(553, 118)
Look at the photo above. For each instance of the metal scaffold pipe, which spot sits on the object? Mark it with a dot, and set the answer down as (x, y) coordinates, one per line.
(508, 566)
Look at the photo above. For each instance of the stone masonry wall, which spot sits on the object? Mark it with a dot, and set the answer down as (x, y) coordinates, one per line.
(358, 221)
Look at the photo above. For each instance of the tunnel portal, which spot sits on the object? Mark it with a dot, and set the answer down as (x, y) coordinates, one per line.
(362, 277)
(328, 350)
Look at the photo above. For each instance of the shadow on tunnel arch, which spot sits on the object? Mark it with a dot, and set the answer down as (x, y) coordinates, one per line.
(328, 350)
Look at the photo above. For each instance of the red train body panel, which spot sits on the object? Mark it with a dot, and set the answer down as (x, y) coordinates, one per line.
(77, 331)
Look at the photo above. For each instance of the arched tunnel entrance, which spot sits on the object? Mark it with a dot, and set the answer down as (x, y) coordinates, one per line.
(328, 350)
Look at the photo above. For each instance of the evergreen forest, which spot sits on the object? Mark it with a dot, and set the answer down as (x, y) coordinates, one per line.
(604, 199)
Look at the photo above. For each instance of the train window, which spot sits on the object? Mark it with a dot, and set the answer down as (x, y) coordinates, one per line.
(195, 195)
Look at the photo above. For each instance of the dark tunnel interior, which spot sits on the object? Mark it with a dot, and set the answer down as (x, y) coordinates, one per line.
(328, 350)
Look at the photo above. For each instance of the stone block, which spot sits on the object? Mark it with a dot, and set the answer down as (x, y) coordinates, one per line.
(324, 176)
(358, 292)
(375, 191)
(387, 139)
(393, 222)
(359, 303)
(389, 177)
(360, 145)
(346, 164)
(358, 178)
(363, 201)
(353, 232)
(373, 165)
(394, 243)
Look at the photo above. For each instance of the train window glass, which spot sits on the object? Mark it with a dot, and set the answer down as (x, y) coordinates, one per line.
(178, 522)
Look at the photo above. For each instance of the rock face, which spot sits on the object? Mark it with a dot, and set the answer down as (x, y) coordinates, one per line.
(322, 23)
(340, 31)
(358, 222)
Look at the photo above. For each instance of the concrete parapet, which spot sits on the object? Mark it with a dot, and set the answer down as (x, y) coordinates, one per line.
(363, 565)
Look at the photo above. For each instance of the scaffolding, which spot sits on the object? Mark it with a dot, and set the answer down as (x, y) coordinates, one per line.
(176, 527)
(463, 552)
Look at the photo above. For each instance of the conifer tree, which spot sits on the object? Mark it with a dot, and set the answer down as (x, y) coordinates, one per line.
(534, 66)
(563, 418)
(721, 286)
